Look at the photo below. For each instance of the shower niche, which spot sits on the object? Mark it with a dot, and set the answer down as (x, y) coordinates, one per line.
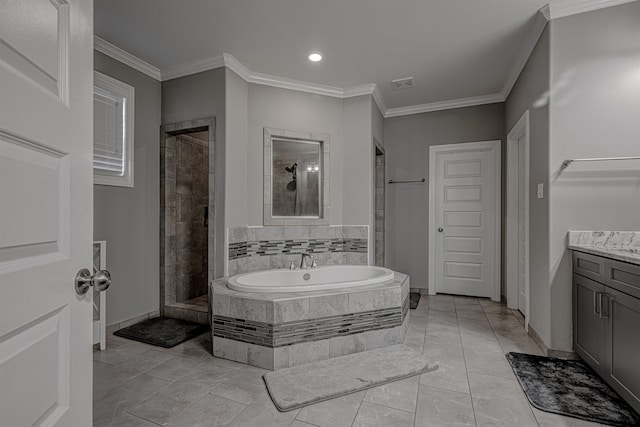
(187, 219)
(296, 178)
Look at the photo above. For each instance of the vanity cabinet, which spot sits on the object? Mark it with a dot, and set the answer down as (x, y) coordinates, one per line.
(606, 321)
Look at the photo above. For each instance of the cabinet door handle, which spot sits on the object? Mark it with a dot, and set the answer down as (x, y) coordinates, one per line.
(602, 315)
(596, 301)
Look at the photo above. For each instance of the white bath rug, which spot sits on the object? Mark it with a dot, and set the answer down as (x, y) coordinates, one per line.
(302, 385)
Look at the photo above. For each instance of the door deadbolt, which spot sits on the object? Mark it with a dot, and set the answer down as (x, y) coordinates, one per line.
(440, 229)
(84, 279)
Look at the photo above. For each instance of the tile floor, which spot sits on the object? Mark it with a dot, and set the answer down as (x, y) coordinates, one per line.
(136, 385)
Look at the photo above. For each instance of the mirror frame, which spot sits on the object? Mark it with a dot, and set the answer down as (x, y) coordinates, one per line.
(268, 218)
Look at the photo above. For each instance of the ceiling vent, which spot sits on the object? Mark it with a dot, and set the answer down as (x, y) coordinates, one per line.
(402, 83)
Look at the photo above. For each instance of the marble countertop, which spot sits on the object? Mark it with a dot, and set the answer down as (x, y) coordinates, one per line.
(619, 245)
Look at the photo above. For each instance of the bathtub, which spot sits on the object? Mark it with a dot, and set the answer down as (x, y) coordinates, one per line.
(317, 279)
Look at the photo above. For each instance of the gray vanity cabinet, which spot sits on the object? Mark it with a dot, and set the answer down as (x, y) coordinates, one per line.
(606, 321)
(589, 329)
(622, 344)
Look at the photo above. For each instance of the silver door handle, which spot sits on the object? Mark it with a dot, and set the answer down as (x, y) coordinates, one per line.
(84, 279)
(440, 229)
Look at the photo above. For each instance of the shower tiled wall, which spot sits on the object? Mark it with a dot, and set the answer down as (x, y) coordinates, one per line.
(261, 248)
(192, 200)
(186, 187)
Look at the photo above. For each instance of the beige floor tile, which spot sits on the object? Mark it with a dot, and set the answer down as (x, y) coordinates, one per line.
(337, 412)
(240, 388)
(160, 408)
(438, 407)
(398, 394)
(116, 401)
(372, 415)
(128, 420)
(451, 373)
(466, 337)
(210, 411)
(174, 368)
(546, 419)
(486, 357)
(262, 413)
(499, 402)
(298, 423)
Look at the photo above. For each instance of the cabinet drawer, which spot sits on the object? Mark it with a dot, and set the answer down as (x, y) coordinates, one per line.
(588, 265)
(622, 276)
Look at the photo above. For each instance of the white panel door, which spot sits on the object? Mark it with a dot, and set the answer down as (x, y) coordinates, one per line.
(46, 208)
(466, 202)
(523, 239)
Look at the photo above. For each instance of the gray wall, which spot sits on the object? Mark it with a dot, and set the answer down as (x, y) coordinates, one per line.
(291, 110)
(407, 140)
(595, 112)
(128, 218)
(236, 105)
(531, 92)
(357, 153)
(200, 96)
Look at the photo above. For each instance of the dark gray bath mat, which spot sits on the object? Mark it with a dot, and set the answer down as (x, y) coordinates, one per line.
(302, 385)
(571, 388)
(414, 300)
(162, 331)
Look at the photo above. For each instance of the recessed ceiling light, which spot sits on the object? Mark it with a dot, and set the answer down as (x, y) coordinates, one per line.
(315, 57)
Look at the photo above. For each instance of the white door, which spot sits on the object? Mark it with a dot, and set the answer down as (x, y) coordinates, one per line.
(46, 209)
(523, 239)
(517, 216)
(465, 219)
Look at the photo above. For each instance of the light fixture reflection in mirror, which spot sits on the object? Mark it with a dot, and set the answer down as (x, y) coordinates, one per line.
(296, 182)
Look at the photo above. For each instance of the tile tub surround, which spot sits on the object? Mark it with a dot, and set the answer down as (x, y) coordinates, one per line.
(278, 330)
(262, 248)
(619, 245)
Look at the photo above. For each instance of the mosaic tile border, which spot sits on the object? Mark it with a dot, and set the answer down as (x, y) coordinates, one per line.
(302, 331)
(296, 246)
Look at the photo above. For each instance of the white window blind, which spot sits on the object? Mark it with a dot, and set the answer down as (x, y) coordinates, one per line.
(113, 119)
(108, 133)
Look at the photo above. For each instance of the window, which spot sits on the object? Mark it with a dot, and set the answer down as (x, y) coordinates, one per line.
(113, 107)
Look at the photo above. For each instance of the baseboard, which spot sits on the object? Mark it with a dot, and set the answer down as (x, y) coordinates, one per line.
(421, 291)
(550, 352)
(536, 338)
(132, 321)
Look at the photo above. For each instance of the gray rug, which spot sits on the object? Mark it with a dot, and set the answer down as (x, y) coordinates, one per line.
(298, 386)
(414, 300)
(571, 388)
(162, 331)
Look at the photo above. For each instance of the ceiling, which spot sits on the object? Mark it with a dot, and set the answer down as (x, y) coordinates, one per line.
(453, 49)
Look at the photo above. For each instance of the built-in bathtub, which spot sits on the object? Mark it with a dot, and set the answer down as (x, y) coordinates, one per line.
(350, 309)
(317, 279)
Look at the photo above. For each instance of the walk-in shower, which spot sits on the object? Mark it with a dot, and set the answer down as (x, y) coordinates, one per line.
(187, 215)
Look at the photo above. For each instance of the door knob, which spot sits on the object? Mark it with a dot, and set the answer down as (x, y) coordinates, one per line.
(440, 229)
(84, 279)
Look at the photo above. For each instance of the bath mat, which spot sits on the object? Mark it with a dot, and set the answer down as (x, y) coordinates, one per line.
(571, 388)
(414, 300)
(162, 331)
(302, 385)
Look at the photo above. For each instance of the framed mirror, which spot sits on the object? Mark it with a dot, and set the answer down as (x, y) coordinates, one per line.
(296, 178)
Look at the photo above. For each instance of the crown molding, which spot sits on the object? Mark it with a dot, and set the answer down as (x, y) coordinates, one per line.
(285, 83)
(125, 57)
(238, 67)
(192, 67)
(539, 24)
(301, 86)
(367, 89)
(562, 8)
(445, 105)
(377, 96)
